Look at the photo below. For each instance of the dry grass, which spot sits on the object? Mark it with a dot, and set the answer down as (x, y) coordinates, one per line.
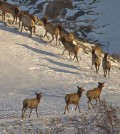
(116, 56)
(105, 120)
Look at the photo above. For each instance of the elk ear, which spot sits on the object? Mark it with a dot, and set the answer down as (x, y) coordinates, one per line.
(36, 93)
(79, 87)
(105, 53)
(82, 88)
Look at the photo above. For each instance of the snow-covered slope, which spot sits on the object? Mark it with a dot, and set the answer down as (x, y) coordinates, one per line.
(109, 15)
(102, 16)
(29, 65)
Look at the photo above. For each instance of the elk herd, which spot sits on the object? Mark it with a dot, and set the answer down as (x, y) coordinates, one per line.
(70, 44)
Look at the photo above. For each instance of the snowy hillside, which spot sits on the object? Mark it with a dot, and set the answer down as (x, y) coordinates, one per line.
(91, 20)
(29, 65)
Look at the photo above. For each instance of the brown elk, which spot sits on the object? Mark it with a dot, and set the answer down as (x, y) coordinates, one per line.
(24, 13)
(63, 33)
(68, 45)
(95, 61)
(50, 28)
(106, 65)
(94, 94)
(9, 8)
(27, 22)
(73, 98)
(32, 104)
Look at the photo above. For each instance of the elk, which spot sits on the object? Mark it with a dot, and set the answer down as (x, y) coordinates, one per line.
(68, 45)
(95, 61)
(73, 98)
(50, 28)
(94, 94)
(27, 22)
(40, 22)
(63, 33)
(32, 104)
(106, 65)
(24, 13)
(9, 8)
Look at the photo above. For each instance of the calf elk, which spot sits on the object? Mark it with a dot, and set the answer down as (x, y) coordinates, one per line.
(106, 65)
(8, 8)
(32, 104)
(73, 99)
(94, 93)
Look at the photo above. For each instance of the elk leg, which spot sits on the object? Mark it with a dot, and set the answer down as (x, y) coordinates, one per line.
(56, 39)
(96, 68)
(30, 112)
(16, 19)
(22, 27)
(13, 19)
(79, 108)
(30, 32)
(19, 23)
(99, 99)
(105, 73)
(92, 66)
(63, 51)
(89, 101)
(59, 42)
(34, 29)
(65, 109)
(88, 105)
(75, 107)
(70, 55)
(45, 34)
(52, 39)
(36, 112)
(91, 104)
(76, 57)
(23, 112)
(3, 16)
(25, 28)
(109, 72)
(96, 102)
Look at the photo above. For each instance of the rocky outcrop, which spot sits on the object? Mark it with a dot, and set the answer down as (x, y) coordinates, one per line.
(79, 20)
(53, 8)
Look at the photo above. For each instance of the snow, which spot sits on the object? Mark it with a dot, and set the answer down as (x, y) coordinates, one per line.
(109, 14)
(105, 13)
(29, 65)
